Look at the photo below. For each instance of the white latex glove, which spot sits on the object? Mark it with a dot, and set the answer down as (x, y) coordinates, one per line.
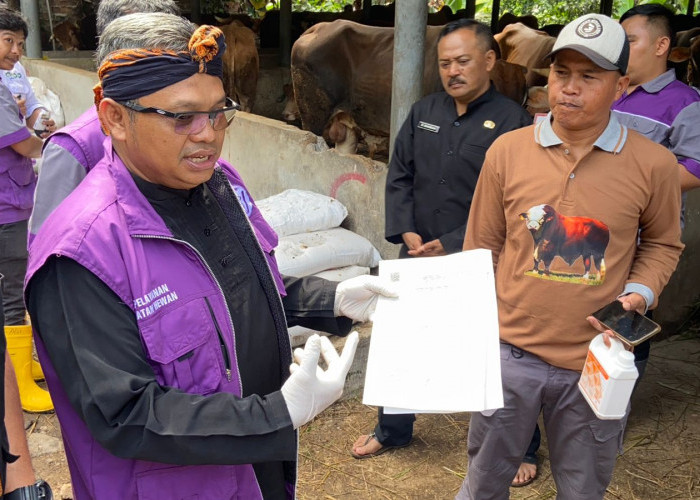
(356, 298)
(310, 390)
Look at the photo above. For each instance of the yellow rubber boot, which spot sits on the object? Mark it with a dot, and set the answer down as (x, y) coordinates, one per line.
(19, 345)
(37, 371)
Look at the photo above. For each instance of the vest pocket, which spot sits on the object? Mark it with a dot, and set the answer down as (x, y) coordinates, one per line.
(183, 347)
(187, 483)
(21, 176)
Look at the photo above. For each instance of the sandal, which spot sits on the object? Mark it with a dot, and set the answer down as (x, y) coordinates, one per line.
(381, 450)
(515, 484)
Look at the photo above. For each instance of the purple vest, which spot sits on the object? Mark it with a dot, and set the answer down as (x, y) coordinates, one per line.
(83, 138)
(110, 228)
(17, 177)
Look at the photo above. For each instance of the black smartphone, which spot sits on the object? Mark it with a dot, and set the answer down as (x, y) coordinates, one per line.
(630, 326)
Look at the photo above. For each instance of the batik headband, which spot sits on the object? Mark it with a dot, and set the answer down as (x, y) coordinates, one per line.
(132, 73)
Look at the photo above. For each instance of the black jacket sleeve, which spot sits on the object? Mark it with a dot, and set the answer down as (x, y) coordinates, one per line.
(94, 345)
(398, 196)
(452, 242)
(309, 303)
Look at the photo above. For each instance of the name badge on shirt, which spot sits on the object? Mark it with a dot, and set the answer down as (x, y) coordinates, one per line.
(429, 127)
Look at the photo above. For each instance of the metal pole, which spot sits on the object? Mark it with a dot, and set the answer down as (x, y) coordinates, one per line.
(285, 32)
(195, 11)
(495, 12)
(30, 11)
(410, 21)
(471, 9)
(366, 7)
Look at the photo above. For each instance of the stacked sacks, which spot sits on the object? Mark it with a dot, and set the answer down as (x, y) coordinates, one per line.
(312, 243)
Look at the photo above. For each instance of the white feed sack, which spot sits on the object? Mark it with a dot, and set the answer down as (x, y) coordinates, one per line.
(48, 99)
(310, 253)
(296, 211)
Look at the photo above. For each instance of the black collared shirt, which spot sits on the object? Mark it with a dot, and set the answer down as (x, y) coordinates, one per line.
(436, 162)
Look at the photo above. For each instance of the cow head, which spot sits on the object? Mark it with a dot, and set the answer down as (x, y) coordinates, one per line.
(691, 55)
(537, 100)
(66, 33)
(536, 217)
(290, 112)
(343, 132)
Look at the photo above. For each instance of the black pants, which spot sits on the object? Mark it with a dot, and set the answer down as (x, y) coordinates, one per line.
(397, 429)
(13, 264)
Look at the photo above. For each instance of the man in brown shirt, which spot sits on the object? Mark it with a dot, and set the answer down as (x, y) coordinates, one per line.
(561, 205)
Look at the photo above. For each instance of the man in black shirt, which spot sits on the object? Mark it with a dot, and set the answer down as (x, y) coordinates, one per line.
(433, 171)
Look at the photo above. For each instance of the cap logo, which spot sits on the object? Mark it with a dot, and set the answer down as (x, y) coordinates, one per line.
(589, 28)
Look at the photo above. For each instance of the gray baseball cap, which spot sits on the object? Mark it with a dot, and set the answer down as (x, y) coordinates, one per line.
(597, 37)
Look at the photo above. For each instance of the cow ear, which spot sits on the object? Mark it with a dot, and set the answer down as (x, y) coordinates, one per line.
(679, 54)
(548, 213)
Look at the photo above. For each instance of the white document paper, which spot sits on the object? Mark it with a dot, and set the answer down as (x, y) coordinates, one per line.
(435, 348)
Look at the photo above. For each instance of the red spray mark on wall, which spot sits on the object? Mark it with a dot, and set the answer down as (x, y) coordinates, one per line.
(344, 178)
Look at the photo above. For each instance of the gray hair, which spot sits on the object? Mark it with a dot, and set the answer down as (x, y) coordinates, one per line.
(145, 31)
(109, 10)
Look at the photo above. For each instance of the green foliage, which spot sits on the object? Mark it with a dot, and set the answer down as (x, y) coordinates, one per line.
(546, 11)
(319, 5)
(562, 11)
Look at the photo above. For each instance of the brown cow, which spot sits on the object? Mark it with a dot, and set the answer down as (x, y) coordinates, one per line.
(509, 18)
(66, 33)
(687, 50)
(527, 47)
(345, 66)
(692, 56)
(241, 64)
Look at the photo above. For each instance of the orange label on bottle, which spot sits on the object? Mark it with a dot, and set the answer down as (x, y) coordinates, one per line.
(594, 366)
(590, 379)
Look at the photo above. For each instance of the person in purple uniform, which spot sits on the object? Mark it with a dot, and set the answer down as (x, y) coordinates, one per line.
(75, 149)
(17, 181)
(158, 309)
(655, 103)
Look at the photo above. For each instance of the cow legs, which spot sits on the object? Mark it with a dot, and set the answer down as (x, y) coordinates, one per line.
(586, 266)
(600, 266)
(546, 266)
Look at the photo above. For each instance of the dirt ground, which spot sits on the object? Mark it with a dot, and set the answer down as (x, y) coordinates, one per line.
(661, 458)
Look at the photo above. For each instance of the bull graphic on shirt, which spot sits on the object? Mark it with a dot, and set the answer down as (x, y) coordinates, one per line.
(568, 238)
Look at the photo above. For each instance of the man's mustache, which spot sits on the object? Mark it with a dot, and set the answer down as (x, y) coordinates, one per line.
(455, 79)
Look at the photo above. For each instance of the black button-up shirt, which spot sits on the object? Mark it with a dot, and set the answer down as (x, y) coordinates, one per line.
(436, 162)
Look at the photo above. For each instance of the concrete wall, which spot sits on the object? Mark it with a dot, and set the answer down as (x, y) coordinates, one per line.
(273, 156)
(72, 85)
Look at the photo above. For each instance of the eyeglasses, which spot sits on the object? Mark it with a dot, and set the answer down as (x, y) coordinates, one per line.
(193, 122)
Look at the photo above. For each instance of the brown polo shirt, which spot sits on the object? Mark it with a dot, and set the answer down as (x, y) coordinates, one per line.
(547, 219)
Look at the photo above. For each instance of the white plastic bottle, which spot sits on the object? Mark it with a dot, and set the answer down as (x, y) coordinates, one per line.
(608, 378)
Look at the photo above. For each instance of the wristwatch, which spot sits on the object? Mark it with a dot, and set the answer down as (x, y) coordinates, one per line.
(37, 491)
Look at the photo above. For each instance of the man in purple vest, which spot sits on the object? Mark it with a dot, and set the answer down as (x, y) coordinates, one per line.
(159, 313)
(70, 153)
